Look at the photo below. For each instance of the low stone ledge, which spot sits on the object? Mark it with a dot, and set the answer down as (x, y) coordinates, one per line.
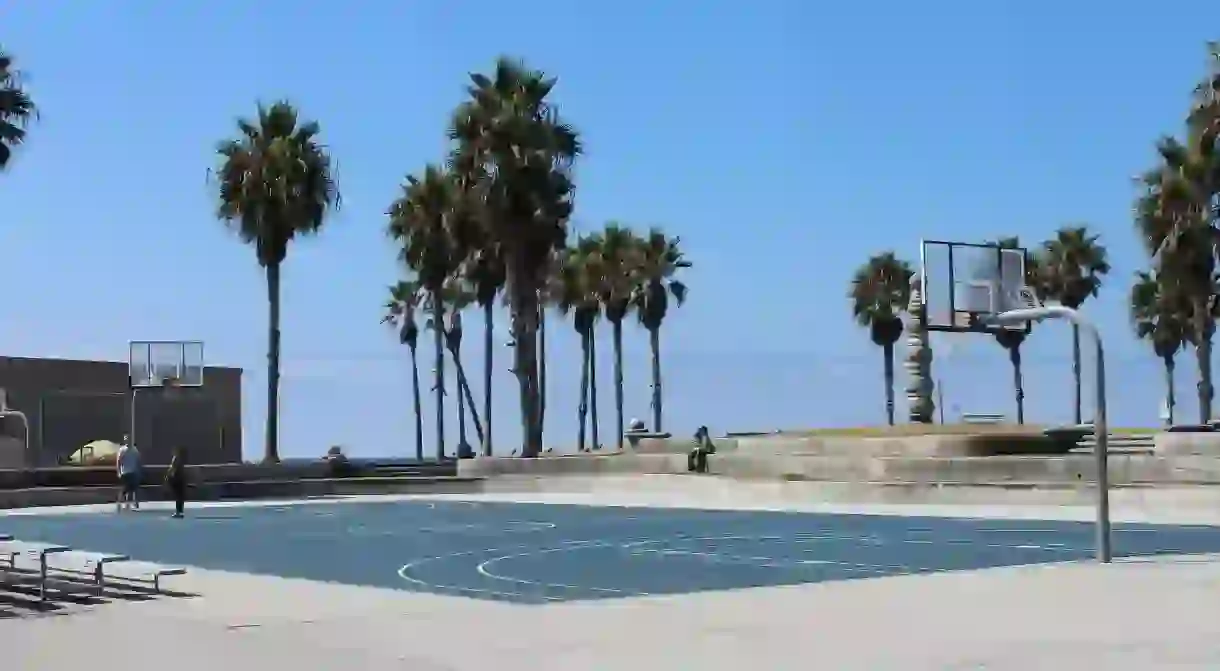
(990, 443)
(612, 462)
(74, 476)
(247, 490)
(1173, 443)
(1067, 470)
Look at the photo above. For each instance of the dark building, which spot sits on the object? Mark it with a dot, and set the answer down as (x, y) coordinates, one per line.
(69, 403)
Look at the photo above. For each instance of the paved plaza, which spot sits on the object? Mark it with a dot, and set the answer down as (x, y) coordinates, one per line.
(539, 582)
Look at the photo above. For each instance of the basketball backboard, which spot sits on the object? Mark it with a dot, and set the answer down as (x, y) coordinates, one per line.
(964, 283)
(152, 361)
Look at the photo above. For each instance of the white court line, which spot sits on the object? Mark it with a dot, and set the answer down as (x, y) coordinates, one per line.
(406, 569)
(632, 547)
(483, 570)
(509, 527)
(734, 560)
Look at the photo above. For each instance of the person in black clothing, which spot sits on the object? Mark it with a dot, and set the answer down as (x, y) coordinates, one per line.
(175, 480)
(696, 459)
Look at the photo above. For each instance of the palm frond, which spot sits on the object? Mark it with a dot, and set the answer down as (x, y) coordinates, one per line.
(17, 109)
(275, 181)
(880, 289)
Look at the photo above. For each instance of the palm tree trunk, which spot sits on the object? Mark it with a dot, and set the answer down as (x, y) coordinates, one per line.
(593, 388)
(541, 368)
(465, 396)
(525, 360)
(461, 401)
(419, 408)
(617, 327)
(654, 343)
(438, 332)
(582, 409)
(1203, 355)
(1076, 372)
(271, 446)
(488, 367)
(1014, 357)
(887, 351)
(1170, 401)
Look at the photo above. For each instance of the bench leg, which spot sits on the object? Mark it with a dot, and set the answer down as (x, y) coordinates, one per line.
(99, 577)
(42, 576)
(157, 584)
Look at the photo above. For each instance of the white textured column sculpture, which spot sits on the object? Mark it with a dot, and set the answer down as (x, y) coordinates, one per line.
(918, 364)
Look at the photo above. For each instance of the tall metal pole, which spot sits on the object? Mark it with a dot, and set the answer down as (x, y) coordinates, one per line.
(1101, 431)
(940, 399)
(131, 421)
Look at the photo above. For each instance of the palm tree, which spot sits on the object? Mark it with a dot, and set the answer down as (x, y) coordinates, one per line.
(1011, 339)
(510, 128)
(620, 256)
(16, 109)
(1178, 225)
(575, 293)
(457, 297)
(484, 270)
(275, 183)
(419, 222)
(880, 291)
(1073, 265)
(660, 261)
(1161, 315)
(400, 313)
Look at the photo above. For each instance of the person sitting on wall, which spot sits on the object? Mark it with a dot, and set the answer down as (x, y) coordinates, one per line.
(337, 461)
(696, 460)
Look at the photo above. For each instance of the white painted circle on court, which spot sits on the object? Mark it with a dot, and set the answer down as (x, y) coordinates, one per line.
(511, 527)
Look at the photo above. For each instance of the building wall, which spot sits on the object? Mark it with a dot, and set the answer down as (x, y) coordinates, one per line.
(72, 402)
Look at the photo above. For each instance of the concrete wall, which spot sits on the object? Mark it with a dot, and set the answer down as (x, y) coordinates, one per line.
(71, 402)
(1033, 471)
(935, 445)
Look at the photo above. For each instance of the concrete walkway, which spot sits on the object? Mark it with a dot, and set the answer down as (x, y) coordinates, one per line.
(1138, 615)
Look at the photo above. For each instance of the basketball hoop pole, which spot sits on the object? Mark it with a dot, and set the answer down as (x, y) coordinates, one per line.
(1100, 429)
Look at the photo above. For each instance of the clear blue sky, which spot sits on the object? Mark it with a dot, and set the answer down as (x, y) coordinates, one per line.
(784, 141)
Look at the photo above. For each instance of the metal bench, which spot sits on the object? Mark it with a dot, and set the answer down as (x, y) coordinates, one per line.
(34, 553)
(140, 572)
(90, 565)
(982, 418)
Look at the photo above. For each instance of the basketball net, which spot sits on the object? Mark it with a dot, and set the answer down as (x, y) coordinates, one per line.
(170, 386)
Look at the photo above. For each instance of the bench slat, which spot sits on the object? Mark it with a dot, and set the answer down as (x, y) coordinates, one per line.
(142, 572)
(25, 547)
(136, 570)
(76, 560)
(18, 553)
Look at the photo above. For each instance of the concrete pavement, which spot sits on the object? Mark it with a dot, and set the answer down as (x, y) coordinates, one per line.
(1138, 614)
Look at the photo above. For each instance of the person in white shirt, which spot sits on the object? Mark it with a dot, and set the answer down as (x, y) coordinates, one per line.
(127, 463)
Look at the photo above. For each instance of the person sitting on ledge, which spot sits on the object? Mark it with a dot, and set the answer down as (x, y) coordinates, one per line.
(696, 461)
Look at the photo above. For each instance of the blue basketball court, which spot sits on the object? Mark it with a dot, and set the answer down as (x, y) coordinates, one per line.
(534, 553)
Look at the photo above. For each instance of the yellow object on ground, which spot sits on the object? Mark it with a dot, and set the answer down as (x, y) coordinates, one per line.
(94, 452)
